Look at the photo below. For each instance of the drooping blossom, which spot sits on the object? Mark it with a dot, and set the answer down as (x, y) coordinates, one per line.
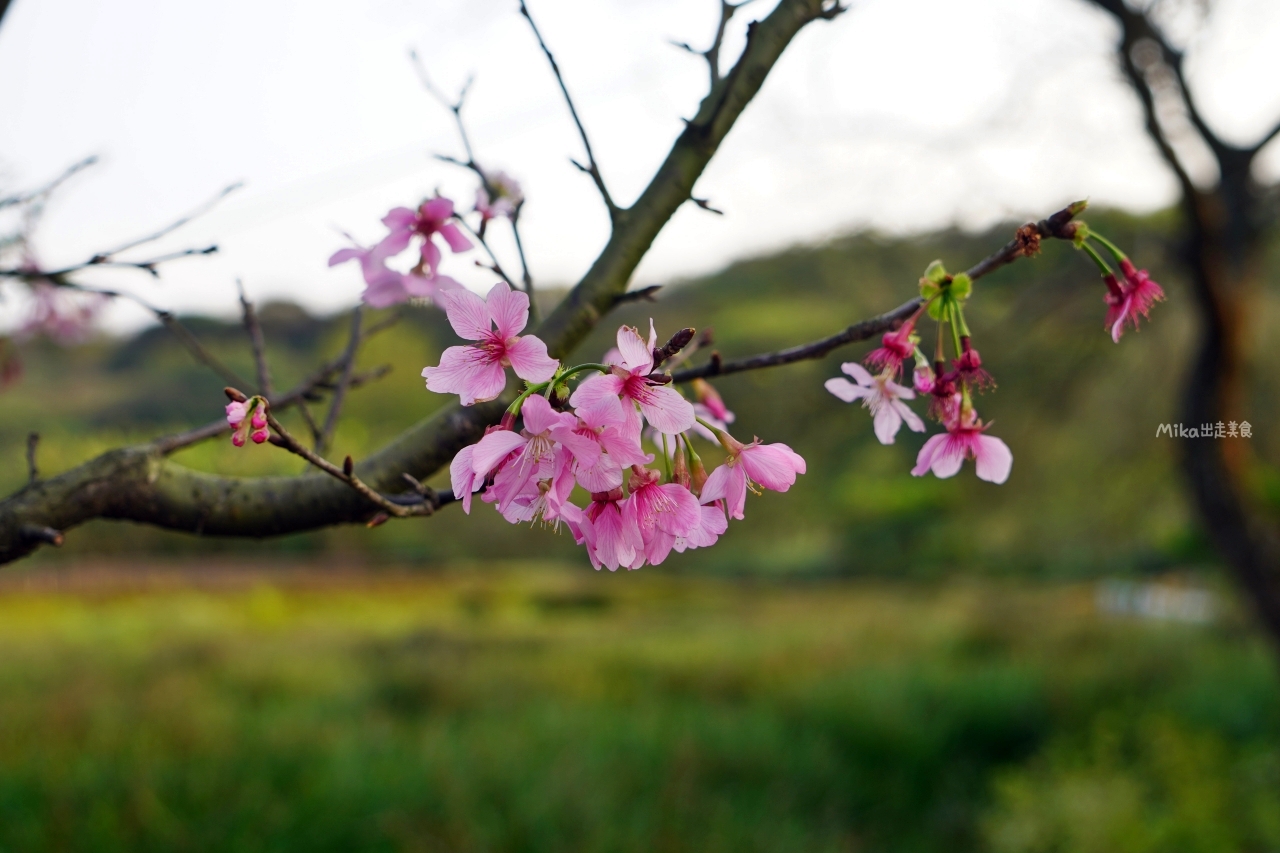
(709, 406)
(969, 366)
(881, 395)
(1127, 301)
(894, 348)
(965, 438)
(507, 196)
(609, 530)
(771, 466)
(661, 511)
(431, 218)
(476, 373)
(661, 405)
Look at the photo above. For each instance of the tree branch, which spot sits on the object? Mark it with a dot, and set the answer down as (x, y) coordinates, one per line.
(138, 483)
(256, 340)
(591, 168)
(344, 380)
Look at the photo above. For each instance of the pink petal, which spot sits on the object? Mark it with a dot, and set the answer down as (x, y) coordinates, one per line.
(665, 409)
(637, 356)
(529, 359)
(468, 372)
(437, 210)
(400, 219)
(493, 448)
(508, 308)
(924, 460)
(454, 237)
(682, 515)
(994, 459)
(912, 419)
(607, 411)
(846, 390)
(430, 255)
(468, 314)
(899, 391)
(773, 466)
(858, 372)
(887, 423)
(657, 546)
(539, 417)
(603, 475)
(463, 477)
(386, 290)
(390, 246)
(624, 447)
(595, 389)
(343, 255)
(729, 484)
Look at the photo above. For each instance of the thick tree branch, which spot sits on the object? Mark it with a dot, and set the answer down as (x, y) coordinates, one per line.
(140, 484)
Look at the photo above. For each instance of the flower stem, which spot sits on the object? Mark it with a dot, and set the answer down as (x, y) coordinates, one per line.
(1097, 259)
(1110, 247)
(666, 458)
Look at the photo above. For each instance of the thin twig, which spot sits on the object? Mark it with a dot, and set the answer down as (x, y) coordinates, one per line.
(420, 504)
(33, 442)
(644, 294)
(171, 227)
(256, 340)
(340, 391)
(32, 195)
(591, 168)
(712, 54)
(494, 264)
(1024, 244)
(525, 275)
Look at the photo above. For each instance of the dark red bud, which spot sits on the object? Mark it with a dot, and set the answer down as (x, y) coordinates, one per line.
(348, 466)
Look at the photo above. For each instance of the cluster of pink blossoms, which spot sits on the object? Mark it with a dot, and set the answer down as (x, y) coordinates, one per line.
(245, 425)
(589, 437)
(951, 388)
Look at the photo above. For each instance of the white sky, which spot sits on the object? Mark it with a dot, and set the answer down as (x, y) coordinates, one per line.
(903, 115)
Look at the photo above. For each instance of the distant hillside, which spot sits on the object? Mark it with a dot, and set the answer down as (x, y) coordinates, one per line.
(1092, 490)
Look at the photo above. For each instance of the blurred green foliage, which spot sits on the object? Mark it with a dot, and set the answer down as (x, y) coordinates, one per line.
(538, 708)
(1093, 490)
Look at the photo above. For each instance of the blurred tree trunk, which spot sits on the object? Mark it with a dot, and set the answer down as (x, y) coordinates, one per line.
(1225, 227)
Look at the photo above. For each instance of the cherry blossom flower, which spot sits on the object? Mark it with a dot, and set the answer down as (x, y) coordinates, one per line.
(662, 512)
(531, 457)
(894, 348)
(612, 448)
(431, 218)
(881, 395)
(507, 196)
(772, 466)
(969, 366)
(661, 405)
(1126, 302)
(965, 439)
(476, 373)
(609, 530)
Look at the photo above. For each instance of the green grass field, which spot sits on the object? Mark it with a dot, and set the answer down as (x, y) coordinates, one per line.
(544, 708)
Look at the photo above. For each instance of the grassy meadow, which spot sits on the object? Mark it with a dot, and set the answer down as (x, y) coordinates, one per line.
(549, 708)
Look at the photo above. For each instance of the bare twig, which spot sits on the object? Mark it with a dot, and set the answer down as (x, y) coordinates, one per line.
(101, 257)
(644, 294)
(712, 54)
(705, 203)
(423, 502)
(32, 195)
(525, 275)
(591, 168)
(1024, 244)
(256, 340)
(33, 442)
(344, 381)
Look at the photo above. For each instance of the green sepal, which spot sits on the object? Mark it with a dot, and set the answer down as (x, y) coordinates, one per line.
(940, 307)
(961, 286)
(1081, 233)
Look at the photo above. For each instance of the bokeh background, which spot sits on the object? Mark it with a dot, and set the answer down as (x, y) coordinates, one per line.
(873, 662)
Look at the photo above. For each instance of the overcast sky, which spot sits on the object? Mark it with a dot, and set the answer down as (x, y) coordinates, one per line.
(903, 115)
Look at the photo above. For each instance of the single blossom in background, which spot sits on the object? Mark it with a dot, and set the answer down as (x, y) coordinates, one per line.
(477, 373)
(943, 454)
(431, 218)
(661, 405)
(881, 395)
(507, 196)
(385, 287)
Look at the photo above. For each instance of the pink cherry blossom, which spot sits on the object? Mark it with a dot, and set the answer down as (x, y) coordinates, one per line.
(964, 439)
(1126, 302)
(463, 477)
(476, 373)
(531, 457)
(772, 466)
(610, 448)
(431, 218)
(507, 196)
(611, 533)
(969, 366)
(661, 405)
(894, 348)
(245, 426)
(881, 395)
